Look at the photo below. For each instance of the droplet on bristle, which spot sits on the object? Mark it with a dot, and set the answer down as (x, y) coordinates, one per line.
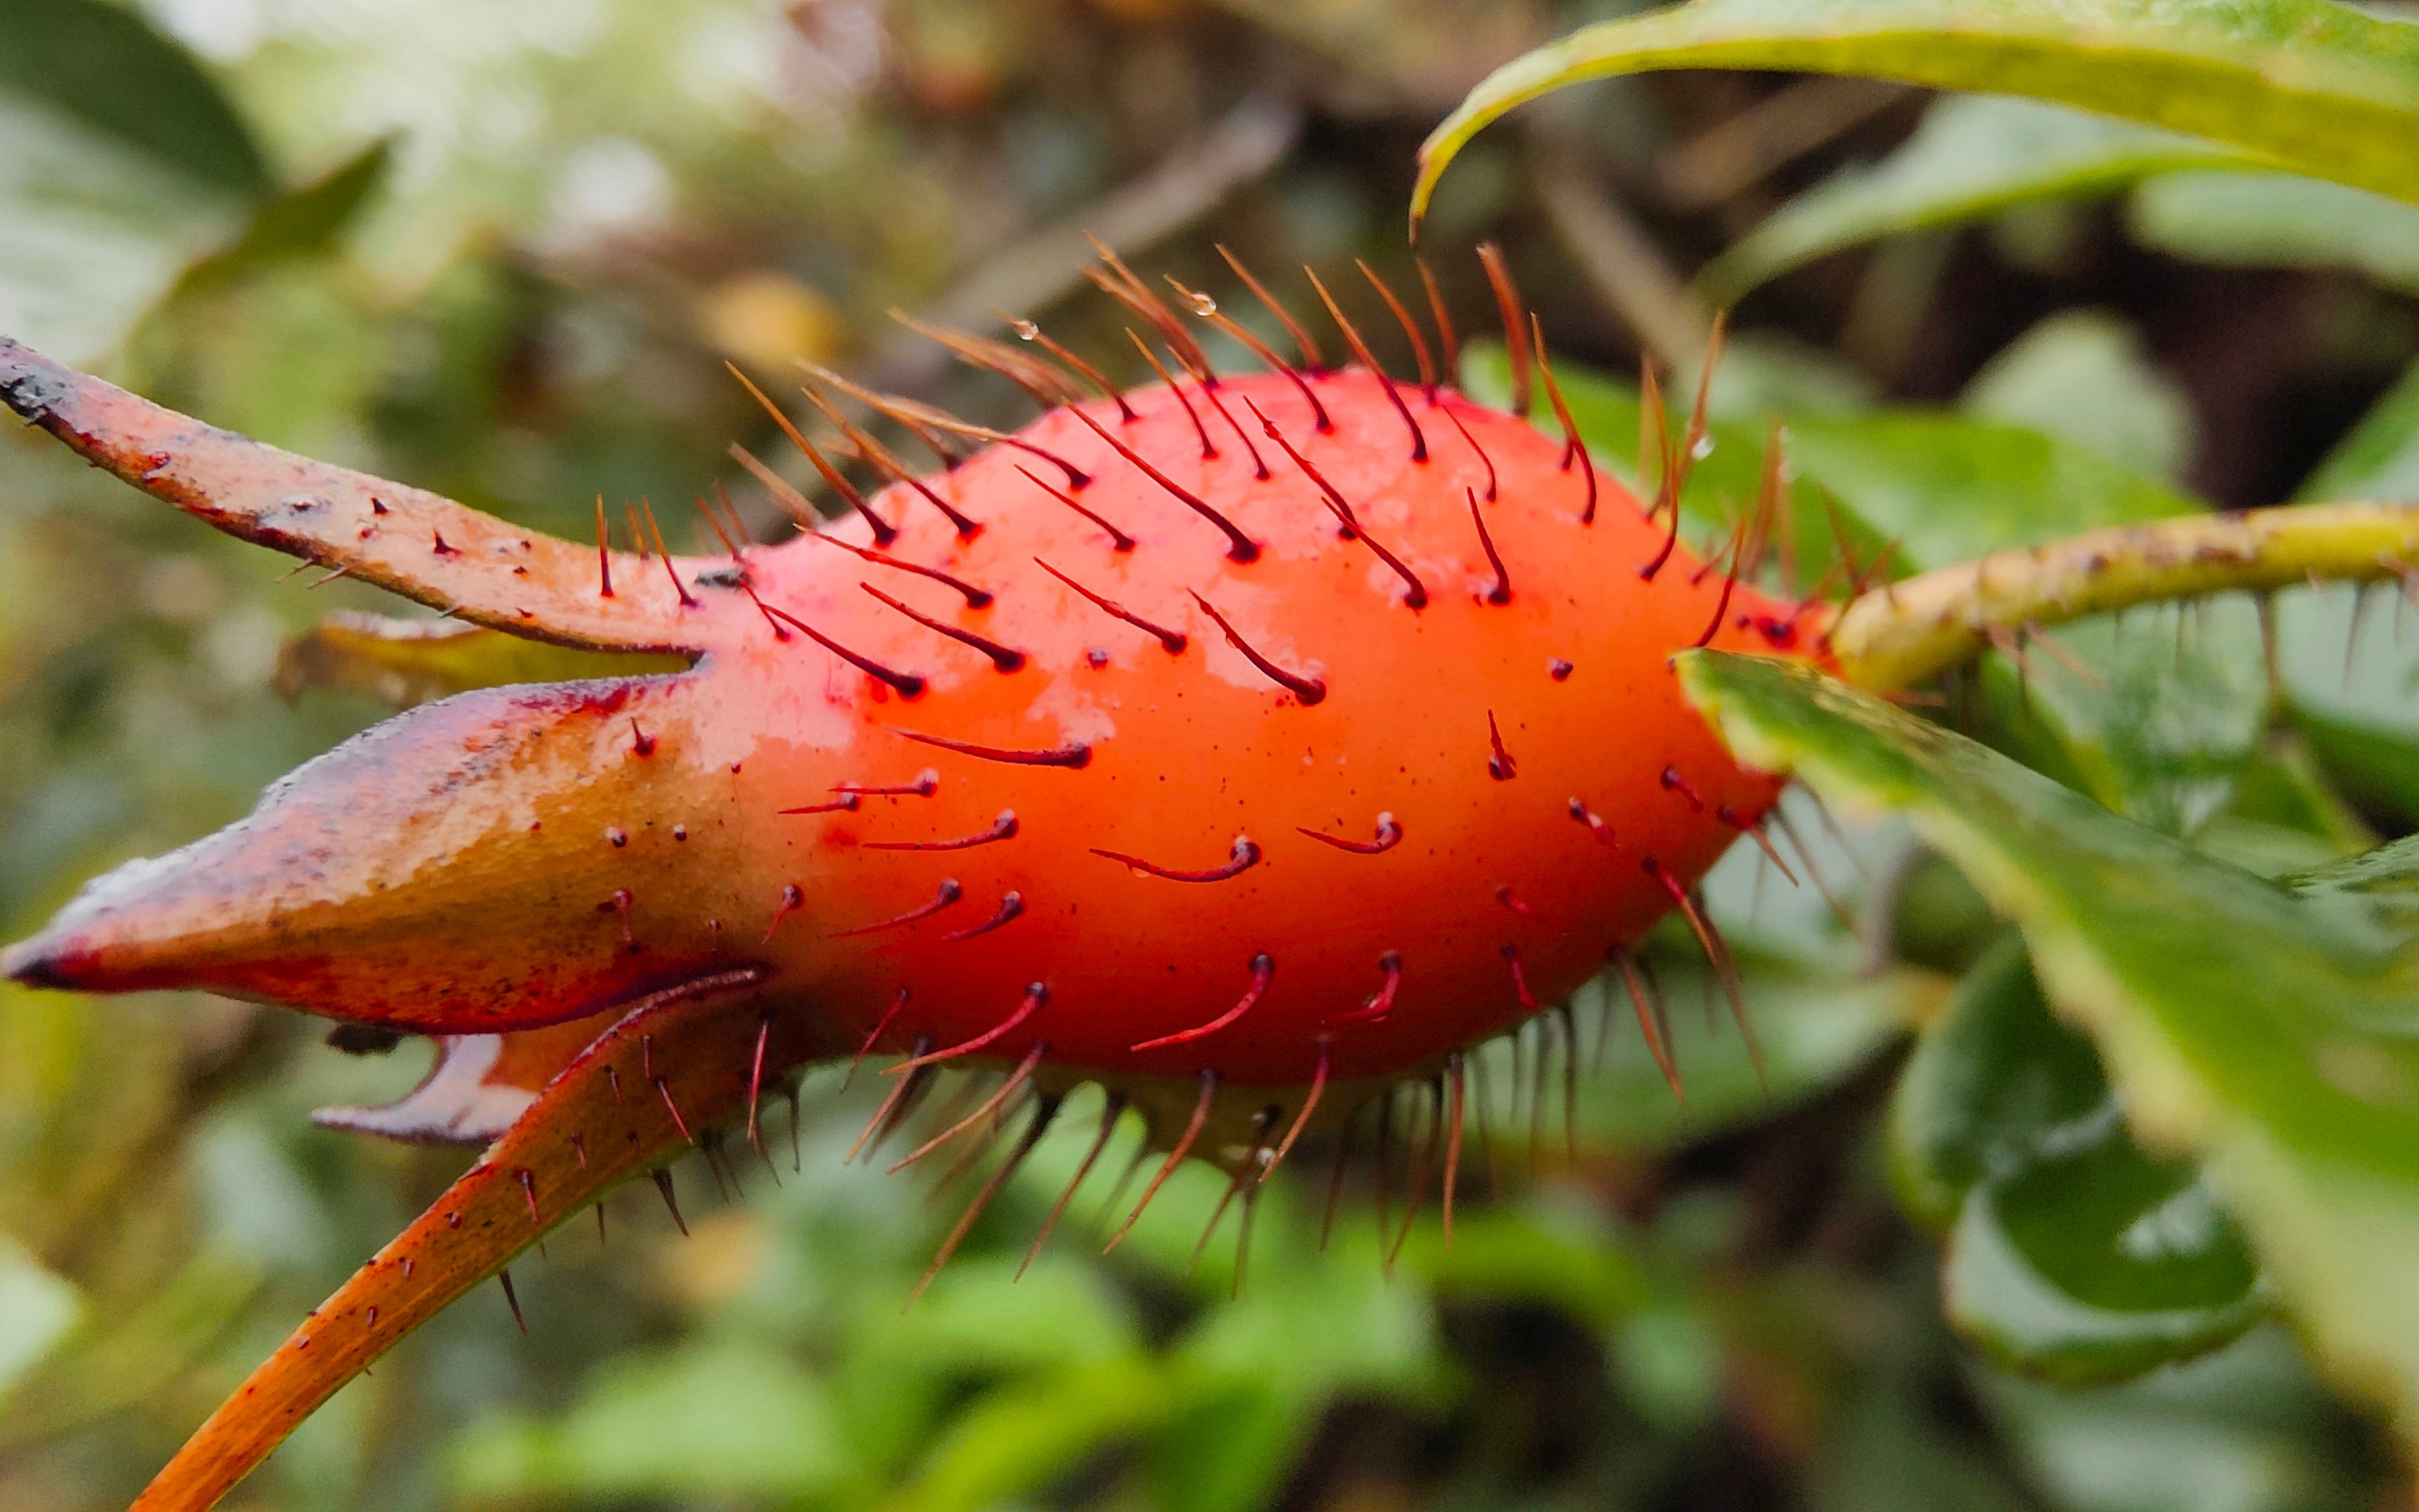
(1026, 331)
(1119, 282)
(1312, 357)
(1043, 384)
(1206, 308)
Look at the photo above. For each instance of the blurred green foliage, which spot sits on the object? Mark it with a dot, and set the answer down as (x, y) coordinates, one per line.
(503, 251)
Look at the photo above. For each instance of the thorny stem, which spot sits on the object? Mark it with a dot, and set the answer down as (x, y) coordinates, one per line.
(1899, 634)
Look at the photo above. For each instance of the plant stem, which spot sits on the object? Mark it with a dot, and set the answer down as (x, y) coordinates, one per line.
(1901, 633)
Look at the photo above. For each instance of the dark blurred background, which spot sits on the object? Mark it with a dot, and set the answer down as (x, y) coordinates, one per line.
(503, 251)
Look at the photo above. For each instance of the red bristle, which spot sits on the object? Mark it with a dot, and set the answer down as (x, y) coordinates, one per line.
(1012, 906)
(1501, 592)
(884, 532)
(1036, 995)
(1411, 328)
(793, 899)
(1450, 340)
(1310, 690)
(1003, 827)
(1574, 447)
(882, 1025)
(1044, 1109)
(1500, 765)
(1209, 451)
(1119, 540)
(906, 685)
(1312, 357)
(1074, 757)
(1361, 352)
(1516, 329)
(1006, 659)
(1043, 384)
(1484, 460)
(1175, 1156)
(883, 460)
(999, 1099)
(604, 553)
(1382, 1003)
(1390, 835)
(1028, 330)
(1206, 308)
(680, 588)
(1244, 856)
(1173, 640)
(1111, 1105)
(1301, 1118)
(1263, 968)
(1240, 547)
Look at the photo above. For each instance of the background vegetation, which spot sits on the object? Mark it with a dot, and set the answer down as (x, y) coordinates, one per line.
(504, 250)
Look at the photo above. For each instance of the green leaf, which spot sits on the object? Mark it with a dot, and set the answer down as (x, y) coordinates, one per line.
(2276, 1036)
(106, 66)
(2271, 220)
(301, 223)
(1973, 156)
(2318, 88)
(2072, 1255)
(2083, 377)
(2380, 458)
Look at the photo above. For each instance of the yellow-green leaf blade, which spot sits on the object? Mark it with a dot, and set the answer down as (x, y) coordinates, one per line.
(2308, 85)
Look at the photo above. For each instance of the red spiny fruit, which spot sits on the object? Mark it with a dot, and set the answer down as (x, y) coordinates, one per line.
(1278, 734)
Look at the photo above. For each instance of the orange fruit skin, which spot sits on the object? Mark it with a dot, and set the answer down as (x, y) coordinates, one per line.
(523, 857)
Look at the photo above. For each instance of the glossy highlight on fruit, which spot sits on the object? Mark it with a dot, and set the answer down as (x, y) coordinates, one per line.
(1244, 742)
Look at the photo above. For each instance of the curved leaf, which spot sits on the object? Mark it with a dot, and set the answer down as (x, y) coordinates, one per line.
(2276, 1035)
(2306, 84)
(112, 69)
(1973, 156)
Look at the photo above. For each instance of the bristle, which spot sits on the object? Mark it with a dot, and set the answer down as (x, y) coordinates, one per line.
(1006, 659)
(1003, 827)
(663, 1179)
(1511, 900)
(906, 685)
(1516, 329)
(1484, 460)
(793, 899)
(1500, 765)
(1209, 451)
(1119, 540)
(999, 1099)
(1012, 906)
(664, 1090)
(1574, 447)
(1310, 690)
(1411, 328)
(1528, 1001)
(1814, 874)
(904, 414)
(1120, 284)
(713, 522)
(1718, 957)
(1263, 969)
(1457, 1090)
(1240, 547)
(1650, 1021)
(1206, 308)
(845, 803)
(1390, 834)
(1597, 824)
(512, 1301)
(1501, 592)
(1311, 355)
(740, 537)
(1694, 441)
(528, 1180)
(1045, 1107)
(1173, 640)
(801, 511)
(1259, 466)
(680, 588)
(1245, 856)
(1449, 339)
(1112, 1104)
(637, 534)
(1727, 815)
(1036, 995)
(904, 1094)
(1337, 504)
(756, 1090)
(929, 421)
(1360, 352)
(1244, 1169)
(974, 598)
(882, 1025)
(883, 460)
(1043, 384)
(1074, 757)
(1729, 583)
(1026, 331)
(1484, 1118)
(1423, 1160)
(884, 532)
(1302, 1119)
(1379, 1004)
(1342, 1163)
(1570, 1082)
(604, 553)
(1182, 1148)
